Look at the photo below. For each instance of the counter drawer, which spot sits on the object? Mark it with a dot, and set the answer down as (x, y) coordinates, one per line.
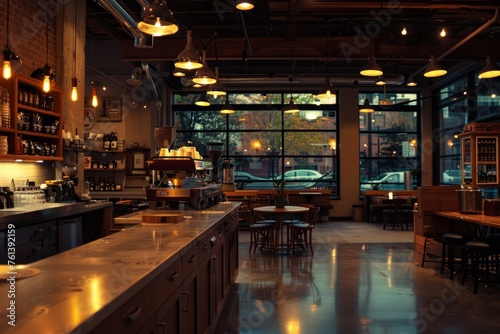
(206, 245)
(190, 261)
(168, 281)
(133, 314)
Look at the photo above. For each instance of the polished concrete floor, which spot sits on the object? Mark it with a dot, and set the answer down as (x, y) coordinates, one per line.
(361, 279)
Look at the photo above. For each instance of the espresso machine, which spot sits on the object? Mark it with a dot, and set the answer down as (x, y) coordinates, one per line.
(178, 179)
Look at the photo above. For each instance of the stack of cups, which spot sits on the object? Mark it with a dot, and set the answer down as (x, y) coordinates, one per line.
(4, 145)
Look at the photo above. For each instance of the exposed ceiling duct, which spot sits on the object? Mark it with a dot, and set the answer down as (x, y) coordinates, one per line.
(129, 21)
(335, 80)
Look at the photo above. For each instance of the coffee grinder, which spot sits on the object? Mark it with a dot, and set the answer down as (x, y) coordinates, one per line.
(215, 152)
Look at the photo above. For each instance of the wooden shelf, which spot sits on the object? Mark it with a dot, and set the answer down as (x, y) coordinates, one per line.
(14, 85)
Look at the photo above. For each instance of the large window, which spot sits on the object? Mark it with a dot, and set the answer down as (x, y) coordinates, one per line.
(262, 141)
(389, 138)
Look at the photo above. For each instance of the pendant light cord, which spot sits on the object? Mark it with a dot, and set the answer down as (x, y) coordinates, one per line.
(75, 17)
(47, 20)
(8, 14)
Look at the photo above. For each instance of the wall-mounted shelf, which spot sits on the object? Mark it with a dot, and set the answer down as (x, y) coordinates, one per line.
(35, 126)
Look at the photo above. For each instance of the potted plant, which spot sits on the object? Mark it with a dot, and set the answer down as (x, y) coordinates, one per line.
(280, 198)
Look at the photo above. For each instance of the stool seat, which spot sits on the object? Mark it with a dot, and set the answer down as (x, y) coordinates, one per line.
(453, 236)
(477, 245)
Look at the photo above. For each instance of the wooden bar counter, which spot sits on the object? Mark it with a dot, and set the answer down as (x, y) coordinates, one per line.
(146, 277)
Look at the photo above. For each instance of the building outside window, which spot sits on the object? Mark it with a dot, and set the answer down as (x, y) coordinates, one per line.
(389, 138)
(262, 141)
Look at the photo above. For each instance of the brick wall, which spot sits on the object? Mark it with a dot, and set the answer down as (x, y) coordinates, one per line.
(28, 32)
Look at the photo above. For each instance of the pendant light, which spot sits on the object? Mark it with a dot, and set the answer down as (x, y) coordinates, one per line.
(371, 68)
(189, 58)
(204, 76)
(244, 4)
(202, 101)
(158, 20)
(74, 80)
(490, 70)
(47, 69)
(227, 108)
(411, 82)
(291, 108)
(326, 91)
(7, 53)
(433, 69)
(95, 101)
(366, 108)
(217, 89)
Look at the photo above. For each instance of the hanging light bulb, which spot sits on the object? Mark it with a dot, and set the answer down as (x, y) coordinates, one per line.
(7, 69)
(404, 31)
(46, 78)
(74, 89)
(95, 102)
(244, 4)
(326, 91)
(443, 32)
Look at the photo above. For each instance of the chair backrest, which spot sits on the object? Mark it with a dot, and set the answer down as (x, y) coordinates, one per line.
(397, 204)
(312, 215)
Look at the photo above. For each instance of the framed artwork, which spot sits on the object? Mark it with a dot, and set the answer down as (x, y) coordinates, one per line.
(136, 161)
(109, 109)
(87, 162)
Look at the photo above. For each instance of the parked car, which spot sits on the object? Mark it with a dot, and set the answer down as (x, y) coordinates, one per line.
(301, 174)
(244, 176)
(385, 181)
(248, 181)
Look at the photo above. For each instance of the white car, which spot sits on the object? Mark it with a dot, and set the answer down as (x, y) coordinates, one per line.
(385, 181)
(301, 174)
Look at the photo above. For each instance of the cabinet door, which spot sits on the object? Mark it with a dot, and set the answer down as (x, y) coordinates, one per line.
(168, 317)
(191, 301)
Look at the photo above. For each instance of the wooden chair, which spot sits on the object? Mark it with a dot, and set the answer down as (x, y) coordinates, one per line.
(394, 215)
(262, 232)
(301, 234)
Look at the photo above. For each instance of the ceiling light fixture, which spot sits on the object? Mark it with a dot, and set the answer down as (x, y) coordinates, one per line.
(380, 81)
(204, 76)
(179, 72)
(136, 78)
(366, 107)
(326, 91)
(189, 58)
(291, 108)
(371, 69)
(202, 101)
(216, 89)
(411, 82)
(443, 32)
(158, 20)
(404, 31)
(490, 70)
(244, 4)
(433, 69)
(227, 108)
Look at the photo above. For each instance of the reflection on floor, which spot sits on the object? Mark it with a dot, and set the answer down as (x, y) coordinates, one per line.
(361, 279)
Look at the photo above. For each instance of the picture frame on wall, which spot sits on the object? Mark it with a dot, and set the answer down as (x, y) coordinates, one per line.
(87, 162)
(109, 109)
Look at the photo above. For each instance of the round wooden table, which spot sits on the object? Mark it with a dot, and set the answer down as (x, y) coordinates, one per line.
(279, 213)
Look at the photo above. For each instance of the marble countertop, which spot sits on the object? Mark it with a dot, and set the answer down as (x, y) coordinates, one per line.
(32, 214)
(78, 289)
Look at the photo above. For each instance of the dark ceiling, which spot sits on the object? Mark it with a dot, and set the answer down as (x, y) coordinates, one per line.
(311, 39)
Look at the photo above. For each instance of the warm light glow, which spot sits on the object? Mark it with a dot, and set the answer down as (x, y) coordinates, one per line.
(46, 83)
(74, 89)
(95, 102)
(74, 94)
(244, 5)
(256, 145)
(493, 95)
(403, 31)
(450, 143)
(333, 143)
(443, 32)
(7, 70)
